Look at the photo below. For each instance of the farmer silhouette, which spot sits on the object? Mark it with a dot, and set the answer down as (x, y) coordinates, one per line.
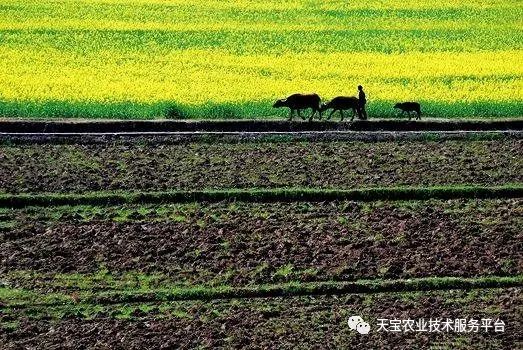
(362, 101)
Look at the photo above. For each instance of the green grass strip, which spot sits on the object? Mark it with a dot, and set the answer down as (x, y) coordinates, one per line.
(262, 195)
(260, 109)
(22, 298)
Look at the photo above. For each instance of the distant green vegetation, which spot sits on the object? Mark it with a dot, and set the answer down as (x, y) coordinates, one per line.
(237, 110)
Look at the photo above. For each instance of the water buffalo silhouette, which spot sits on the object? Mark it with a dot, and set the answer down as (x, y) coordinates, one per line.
(342, 103)
(298, 102)
(408, 107)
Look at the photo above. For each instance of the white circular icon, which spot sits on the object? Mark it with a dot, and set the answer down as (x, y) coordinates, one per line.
(356, 323)
(353, 321)
(363, 328)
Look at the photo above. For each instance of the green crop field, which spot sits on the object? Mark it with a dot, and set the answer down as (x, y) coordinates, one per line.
(232, 59)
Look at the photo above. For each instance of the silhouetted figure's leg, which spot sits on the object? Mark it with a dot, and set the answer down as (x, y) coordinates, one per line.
(363, 112)
(330, 114)
(342, 116)
(290, 115)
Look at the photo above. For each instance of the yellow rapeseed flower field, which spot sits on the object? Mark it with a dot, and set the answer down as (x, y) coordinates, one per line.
(142, 58)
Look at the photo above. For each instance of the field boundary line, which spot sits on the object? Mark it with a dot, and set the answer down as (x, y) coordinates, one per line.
(291, 289)
(262, 195)
(82, 125)
(180, 137)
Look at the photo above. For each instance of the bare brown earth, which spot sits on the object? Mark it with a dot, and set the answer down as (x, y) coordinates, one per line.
(242, 243)
(79, 249)
(77, 168)
(286, 323)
